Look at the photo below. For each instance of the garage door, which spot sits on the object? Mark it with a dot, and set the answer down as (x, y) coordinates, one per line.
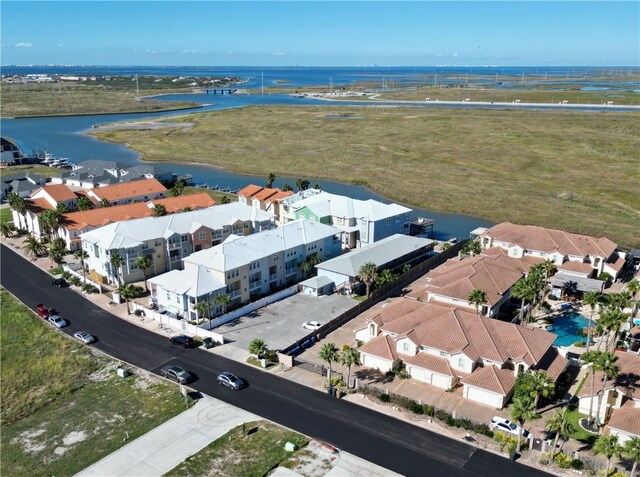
(375, 362)
(482, 396)
(441, 381)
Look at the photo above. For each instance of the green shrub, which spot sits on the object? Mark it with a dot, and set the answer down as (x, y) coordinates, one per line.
(56, 270)
(505, 441)
(417, 408)
(442, 415)
(577, 464)
(337, 381)
(66, 275)
(385, 398)
(428, 410)
(75, 281)
(562, 460)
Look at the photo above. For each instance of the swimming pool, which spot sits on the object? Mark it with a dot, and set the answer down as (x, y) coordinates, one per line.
(568, 326)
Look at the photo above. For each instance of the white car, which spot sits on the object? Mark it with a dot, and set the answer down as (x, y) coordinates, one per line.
(58, 322)
(312, 325)
(84, 337)
(508, 427)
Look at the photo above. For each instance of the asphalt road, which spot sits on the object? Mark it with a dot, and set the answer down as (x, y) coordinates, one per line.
(388, 442)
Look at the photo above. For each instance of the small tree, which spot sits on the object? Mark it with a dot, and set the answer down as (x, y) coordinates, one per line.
(116, 262)
(477, 297)
(257, 347)
(6, 229)
(159, 210)
(224, 199)
(472, 248)
(104, 203)
(82, 256)
(348, 358)
(632, 451)
(592, 299)
(178, 188)
(329, 353)
(84, 203)
(223, 300)
(591, 358)
(287, 187)
(270, 180)
(385, 276)
(608, 446)
(633, 287)
(368, 273)
(33, 247)
(202, 308)
(561, 426)
(543, 386)
(606, 364)
(129, 292)
(57, 251)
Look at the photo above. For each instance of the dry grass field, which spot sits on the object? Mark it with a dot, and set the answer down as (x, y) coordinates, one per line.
(571, 170)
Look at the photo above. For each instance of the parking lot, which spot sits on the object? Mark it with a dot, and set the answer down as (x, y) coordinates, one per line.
(280, 324)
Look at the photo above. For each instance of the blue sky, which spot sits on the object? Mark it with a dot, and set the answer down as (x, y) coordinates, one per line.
(321, 33)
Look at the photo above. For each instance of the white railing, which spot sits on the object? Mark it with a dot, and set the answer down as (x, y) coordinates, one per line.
(67, 268)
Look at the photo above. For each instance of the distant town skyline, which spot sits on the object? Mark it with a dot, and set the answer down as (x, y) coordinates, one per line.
(306, 33)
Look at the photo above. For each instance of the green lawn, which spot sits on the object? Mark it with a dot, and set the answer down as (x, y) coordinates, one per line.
(579, 433)
(576, 171)
(5, 215)
(39, 169)
(63, 407)
(245, 454)
(214, 194)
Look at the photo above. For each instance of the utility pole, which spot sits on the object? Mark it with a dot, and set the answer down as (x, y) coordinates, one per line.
(137, 87)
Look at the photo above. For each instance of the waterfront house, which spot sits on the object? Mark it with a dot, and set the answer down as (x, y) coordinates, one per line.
(448, 346)
(245, 267)
(493, 272)
(95, 173)
(362, 221)
(48, 197)
(22, 184)
(142, 190)
(167, 239)
(263, 198)
(10, 153)
(596, 254)
(173, 204)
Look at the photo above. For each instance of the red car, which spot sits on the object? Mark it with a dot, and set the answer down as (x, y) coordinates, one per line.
(43, 311)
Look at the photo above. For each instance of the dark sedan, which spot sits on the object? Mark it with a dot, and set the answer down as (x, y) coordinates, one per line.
(182, 340)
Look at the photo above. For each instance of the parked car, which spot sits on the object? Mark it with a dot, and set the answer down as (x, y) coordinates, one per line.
(176, 373)
(43, 311)
(508, 427)
(311, 325)
(59, 282)
(84, 337)
(182, 340)
(230, 380)
(58, 322)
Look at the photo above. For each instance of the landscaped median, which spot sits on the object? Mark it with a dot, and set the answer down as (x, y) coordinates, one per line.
(63, 405)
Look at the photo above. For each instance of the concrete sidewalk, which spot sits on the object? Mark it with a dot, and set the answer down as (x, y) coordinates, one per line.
(166, 446)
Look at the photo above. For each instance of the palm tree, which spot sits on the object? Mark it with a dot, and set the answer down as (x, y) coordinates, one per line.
(20, 205)
(82, 256)
(302, 184)
(521, 411)
(619, 300)
(178, 188)
(202, 308)
(257, 347)
(632, 451)
(33, 247)
(116, 261)
(633, 287)
(606, 364)
(368, 273)
(104, 203)
(385, 276)
(270, 180)
(49, 221)
(524, 290)
(592, 299)
(6, 229)
(329, 353)
(129, 292)
(561, 426)
(57, 250)
(477, 297)
(608, 446)
(549, 267)
(84, 203)
(287, 187)
(144, 263)
(223, 300)
(159, 210)
(612, 319)
(348, 358)
(305, 267)
(591, 358)
(543, 386)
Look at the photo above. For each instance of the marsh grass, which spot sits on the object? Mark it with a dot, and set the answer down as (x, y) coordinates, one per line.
(63, 407)
(576, 171)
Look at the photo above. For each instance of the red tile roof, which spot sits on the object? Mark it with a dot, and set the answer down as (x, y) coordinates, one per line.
(105, 215)
(249, 191)
(626, 419)
(627, 380)
(127, 190)
(492, 378)
(58, 192)
(431, 362)
(580, 267)
(201, 200)
(381, 346)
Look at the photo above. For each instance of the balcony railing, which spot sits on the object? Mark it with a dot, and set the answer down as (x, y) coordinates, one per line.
(273, 278)
(234, 294)
(254, 285)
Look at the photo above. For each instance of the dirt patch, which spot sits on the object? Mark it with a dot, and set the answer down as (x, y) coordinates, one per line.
(27, 440)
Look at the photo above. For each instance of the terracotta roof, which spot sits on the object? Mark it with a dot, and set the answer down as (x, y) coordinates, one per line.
(249, 191)
(265, 193)
(494, 274)
(458, 330)
(280, 195)
(201, 200)
(126, 190)
(626, 419)
(381, 346)
(430, 362)
(105, 215)
(491, 378)
(58, 192)
(395, 309)
(616, 262)
(37, 206)
(576, 267)
(627, 381)
(553, 364)
(532, 237)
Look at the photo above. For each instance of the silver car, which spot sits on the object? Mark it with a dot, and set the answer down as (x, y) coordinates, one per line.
(230, 380)
(176, 373)
(84, 337)
(58, 322)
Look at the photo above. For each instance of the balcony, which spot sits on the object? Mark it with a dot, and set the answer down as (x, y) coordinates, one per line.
(291, 271)
(273, 278)
(254, 285)
(234, 294)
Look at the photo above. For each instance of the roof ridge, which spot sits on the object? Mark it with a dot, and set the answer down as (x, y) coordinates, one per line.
(493, 337)
(525, 342)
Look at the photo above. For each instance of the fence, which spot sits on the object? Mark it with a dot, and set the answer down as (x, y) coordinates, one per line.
(232, 315)
(68, 268)
(380, 294)
(320, 369)
(179, 325)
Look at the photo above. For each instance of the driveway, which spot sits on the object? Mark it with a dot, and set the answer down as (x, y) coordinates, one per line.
(280, 324)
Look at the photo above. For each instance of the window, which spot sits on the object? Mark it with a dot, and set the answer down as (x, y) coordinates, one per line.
(460, 362)
(202, 235)
(389, 221)
(168, 296)
(442, 353)
(405, 346)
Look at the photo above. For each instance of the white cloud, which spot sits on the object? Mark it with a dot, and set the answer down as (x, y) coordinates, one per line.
(189, 51)
(455, 55)
(280, 53)
(23, 45)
